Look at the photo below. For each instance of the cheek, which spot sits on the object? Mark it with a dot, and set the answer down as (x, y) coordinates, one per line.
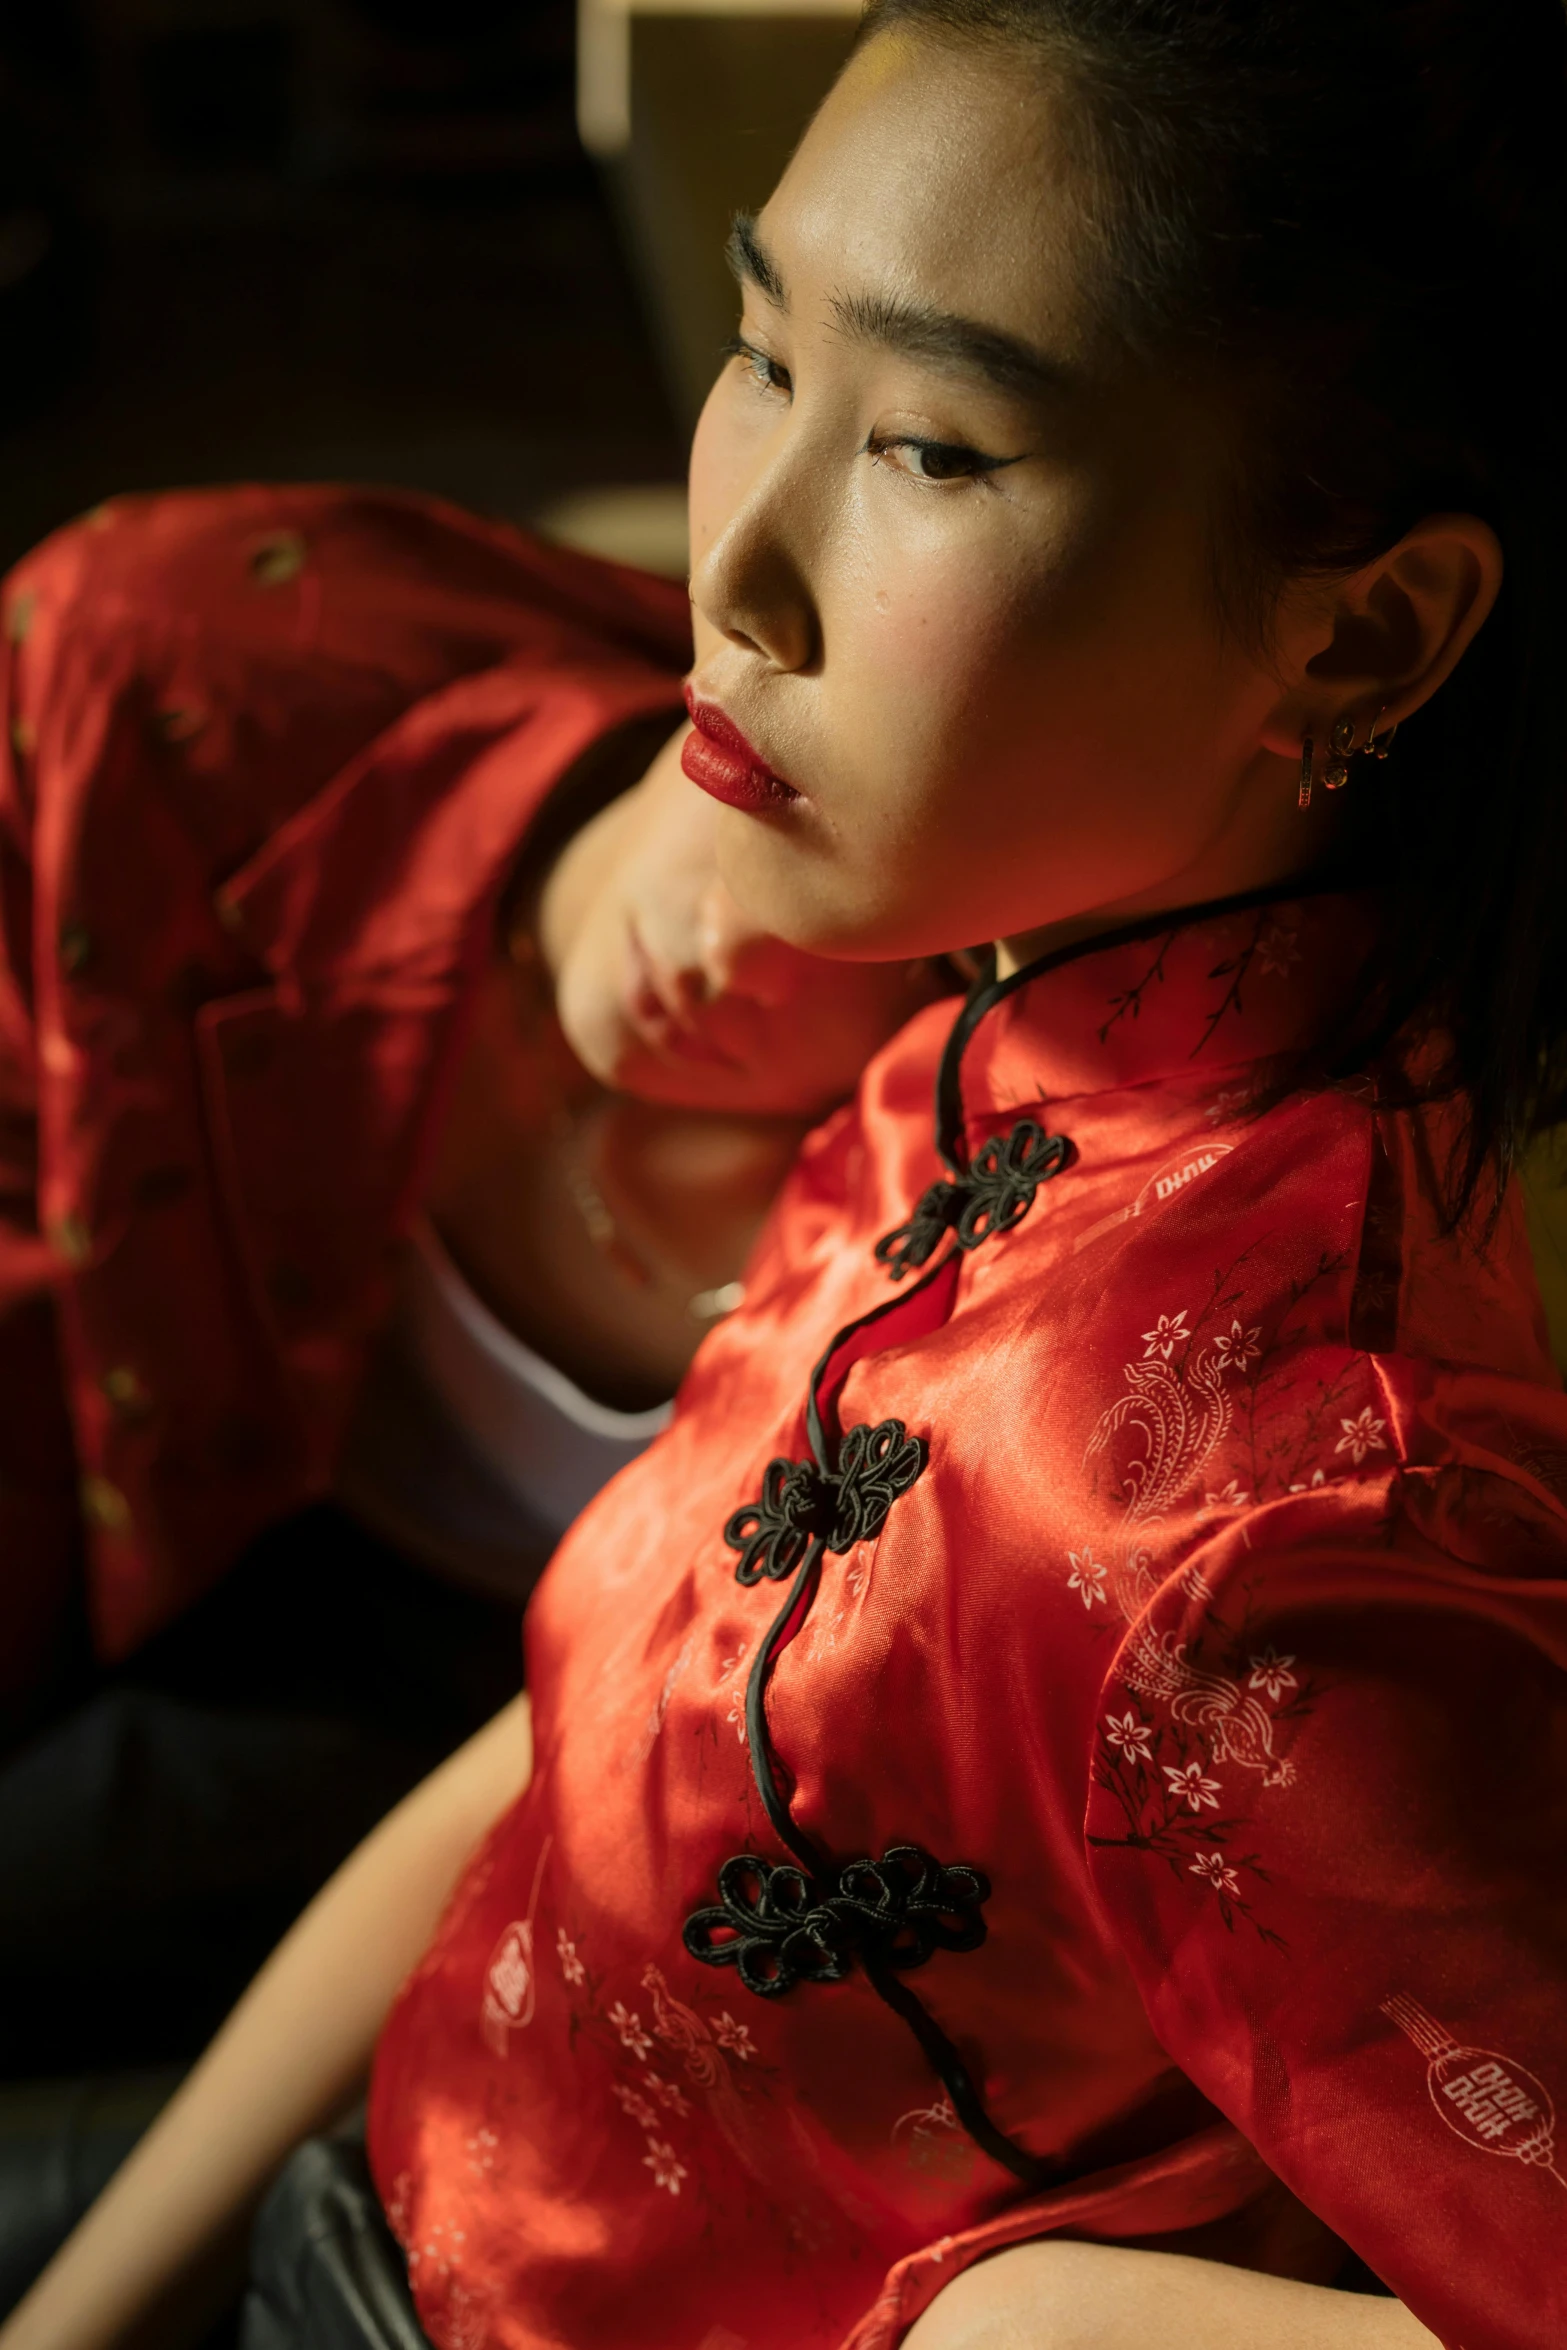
(933, 660)
(1064, 650)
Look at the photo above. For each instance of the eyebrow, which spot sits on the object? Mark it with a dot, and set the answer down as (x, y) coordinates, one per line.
(750, 261)
(959, 345)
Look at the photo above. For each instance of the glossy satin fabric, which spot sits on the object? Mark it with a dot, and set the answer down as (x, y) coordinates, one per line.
(1223, 1632)
(268, 756)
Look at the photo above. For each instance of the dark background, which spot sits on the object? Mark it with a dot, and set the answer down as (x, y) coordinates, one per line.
(315, 239)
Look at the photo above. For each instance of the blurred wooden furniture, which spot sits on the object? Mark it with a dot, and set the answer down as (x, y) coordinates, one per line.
(693, 108)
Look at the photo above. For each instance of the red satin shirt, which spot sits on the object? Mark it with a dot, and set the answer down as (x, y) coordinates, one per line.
(1170, 1717)
(268, 758)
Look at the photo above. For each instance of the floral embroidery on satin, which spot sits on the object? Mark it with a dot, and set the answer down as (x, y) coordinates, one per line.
(933, 2141)
(675, 2072)
(1203, 1703)
(1272, 950)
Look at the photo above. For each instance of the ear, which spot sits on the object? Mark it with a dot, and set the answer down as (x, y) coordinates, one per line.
(1383, 640)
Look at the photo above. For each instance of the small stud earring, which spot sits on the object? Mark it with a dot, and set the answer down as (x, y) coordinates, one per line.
(1308, 769)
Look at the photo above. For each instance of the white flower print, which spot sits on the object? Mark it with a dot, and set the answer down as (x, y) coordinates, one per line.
(633, 2102)
(733, 2037)
(661, 2161)
(1278, 950)
(1318, 1477)
(735, 1716)
(1087, 1577)
(1168, 1332)
(1361, 1435)
(1188, 1785)
(1271, 1672)
(1130, 1736)
(629, 2027)
(1225, 1104)
(671, 2098)
(934, 2141)
(1229, 1497)
(571, 1965)
(1235, 1348)
(1211, 1867)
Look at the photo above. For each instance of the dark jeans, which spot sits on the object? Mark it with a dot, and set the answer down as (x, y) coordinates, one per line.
(325, 2270)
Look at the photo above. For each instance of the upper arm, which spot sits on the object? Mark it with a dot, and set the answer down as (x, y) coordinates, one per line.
(493, 1769)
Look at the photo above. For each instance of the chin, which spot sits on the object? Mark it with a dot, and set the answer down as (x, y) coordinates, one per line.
(825, 906)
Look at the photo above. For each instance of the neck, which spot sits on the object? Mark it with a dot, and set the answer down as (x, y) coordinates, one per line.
(1268, 854)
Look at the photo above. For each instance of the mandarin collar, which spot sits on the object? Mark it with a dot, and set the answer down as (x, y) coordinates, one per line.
(1205, 990)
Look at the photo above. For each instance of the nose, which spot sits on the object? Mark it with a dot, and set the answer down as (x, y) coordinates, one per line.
(750, 580)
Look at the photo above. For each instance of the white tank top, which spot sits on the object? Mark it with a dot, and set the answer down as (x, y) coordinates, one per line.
(467, 1448)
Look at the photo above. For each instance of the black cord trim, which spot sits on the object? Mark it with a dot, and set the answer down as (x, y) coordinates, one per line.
(764, 1759)
(988, 991)
(779, 1924)
(808, 1919)
(815, 1420)
(1035, 2171)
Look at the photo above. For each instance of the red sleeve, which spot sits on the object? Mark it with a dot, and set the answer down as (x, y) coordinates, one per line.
(246, 644)
(190, 679)
(1329, 1821)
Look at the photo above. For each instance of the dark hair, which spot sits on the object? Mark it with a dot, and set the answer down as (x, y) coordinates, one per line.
(1359, 208)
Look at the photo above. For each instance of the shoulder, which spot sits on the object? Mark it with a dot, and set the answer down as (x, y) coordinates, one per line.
(1288, 1388)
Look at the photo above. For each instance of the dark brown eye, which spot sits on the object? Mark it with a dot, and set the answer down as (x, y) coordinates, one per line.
(941, 461)
(934, 461)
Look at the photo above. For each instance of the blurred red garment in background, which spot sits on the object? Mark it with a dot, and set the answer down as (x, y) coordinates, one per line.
(269, 757)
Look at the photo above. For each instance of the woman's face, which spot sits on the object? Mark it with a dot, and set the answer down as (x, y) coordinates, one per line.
(952, 555)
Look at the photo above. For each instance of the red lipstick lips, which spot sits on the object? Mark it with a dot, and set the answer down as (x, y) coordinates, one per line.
(717, 756)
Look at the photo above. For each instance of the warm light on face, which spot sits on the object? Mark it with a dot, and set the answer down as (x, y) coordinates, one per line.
(665, 988)
(951, 557)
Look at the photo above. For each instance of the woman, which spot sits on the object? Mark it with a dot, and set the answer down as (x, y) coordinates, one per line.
(1133, 1813)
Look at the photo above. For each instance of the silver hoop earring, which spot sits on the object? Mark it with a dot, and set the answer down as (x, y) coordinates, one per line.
(1378, 746)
